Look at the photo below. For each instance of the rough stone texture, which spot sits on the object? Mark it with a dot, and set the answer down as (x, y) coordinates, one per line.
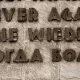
(46, 70)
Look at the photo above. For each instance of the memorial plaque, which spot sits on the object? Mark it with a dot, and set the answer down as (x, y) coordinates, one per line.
(39, 39)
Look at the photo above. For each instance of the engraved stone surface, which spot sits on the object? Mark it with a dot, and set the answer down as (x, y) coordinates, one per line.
(47, 70)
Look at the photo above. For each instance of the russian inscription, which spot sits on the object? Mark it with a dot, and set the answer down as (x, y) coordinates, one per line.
(68, 55)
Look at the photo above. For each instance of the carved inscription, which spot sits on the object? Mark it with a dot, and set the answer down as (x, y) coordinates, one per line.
(56, 34)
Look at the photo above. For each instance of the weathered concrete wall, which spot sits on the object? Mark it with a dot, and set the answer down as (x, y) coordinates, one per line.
(39, 71)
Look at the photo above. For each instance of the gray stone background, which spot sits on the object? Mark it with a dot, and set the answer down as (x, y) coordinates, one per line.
(39, 71)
